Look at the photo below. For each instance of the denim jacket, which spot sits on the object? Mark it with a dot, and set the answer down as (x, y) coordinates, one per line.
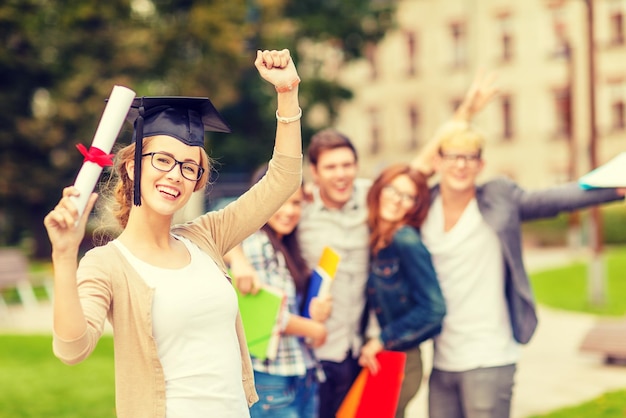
(404, 293)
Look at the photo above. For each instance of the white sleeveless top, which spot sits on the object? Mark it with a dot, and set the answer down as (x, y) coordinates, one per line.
(193, 322)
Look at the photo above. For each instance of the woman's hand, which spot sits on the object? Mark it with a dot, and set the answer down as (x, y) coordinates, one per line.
(245, 276)
(317, 336)
(368, 355)
(65, 229)
(277, 68)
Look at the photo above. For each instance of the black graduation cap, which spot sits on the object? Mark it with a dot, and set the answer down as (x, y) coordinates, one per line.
(183, 118)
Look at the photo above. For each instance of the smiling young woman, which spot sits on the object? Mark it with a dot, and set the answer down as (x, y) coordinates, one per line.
(402, 288)
(180, 349)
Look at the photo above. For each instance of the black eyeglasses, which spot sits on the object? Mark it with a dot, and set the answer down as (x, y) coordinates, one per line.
(469, 159)
(165, 162)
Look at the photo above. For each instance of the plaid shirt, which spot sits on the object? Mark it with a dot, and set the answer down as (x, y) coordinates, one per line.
(293, 357)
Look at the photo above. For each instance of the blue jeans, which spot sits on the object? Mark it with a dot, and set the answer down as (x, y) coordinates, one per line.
(479, 393)
(285, 396)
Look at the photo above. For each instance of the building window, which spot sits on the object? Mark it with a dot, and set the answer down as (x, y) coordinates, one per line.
(374, 117)
(617, 88)
(506, 106)
(506, 38)
(413, 127)
(563, 112)
(411, 46)
(561, 47)
(617, 27)
(617, 115)
(458, 40)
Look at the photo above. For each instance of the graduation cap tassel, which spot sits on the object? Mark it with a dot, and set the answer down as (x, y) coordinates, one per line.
(138, 152)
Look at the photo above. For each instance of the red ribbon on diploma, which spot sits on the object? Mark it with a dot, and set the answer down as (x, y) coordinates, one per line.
(95, 155)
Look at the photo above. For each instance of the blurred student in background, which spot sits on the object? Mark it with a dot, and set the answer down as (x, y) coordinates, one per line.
(402, 288)
(473, 232)
(335, 215)
(287, 385)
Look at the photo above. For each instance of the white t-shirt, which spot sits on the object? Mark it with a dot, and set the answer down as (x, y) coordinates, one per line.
(193, 322)
(470, 267)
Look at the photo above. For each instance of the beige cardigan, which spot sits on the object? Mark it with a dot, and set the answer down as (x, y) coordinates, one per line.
(110, 288)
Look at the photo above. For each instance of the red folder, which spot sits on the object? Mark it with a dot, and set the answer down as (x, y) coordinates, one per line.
(376, 396)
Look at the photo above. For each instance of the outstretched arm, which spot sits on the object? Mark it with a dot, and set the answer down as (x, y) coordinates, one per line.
(252, 209)
(277, 68)
(481, 92)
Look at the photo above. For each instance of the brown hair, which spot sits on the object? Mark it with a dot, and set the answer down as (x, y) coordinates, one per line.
(325, 140)
(379, 237)
(117, 196)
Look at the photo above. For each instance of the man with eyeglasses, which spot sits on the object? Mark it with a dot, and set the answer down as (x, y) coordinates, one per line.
(473, 234)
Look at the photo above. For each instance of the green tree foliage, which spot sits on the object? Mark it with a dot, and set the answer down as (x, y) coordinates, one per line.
(352, 24)
(304, 27)
(59, 60)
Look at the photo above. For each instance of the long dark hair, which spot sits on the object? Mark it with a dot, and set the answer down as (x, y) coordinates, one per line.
(288, 246)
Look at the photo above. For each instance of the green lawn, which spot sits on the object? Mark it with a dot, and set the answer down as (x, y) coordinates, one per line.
(609, 405)
(35, 384)
(566, 288)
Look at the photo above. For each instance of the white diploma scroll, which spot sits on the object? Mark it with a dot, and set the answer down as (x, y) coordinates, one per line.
(109, 128)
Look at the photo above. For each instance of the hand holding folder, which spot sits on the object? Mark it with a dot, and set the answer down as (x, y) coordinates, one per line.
(321, 278)
(261, 314)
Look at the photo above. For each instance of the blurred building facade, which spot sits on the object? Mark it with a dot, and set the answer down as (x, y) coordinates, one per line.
(538, 128)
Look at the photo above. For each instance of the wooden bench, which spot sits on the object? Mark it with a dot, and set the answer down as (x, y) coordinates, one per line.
(608, 338)
(14, 274)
